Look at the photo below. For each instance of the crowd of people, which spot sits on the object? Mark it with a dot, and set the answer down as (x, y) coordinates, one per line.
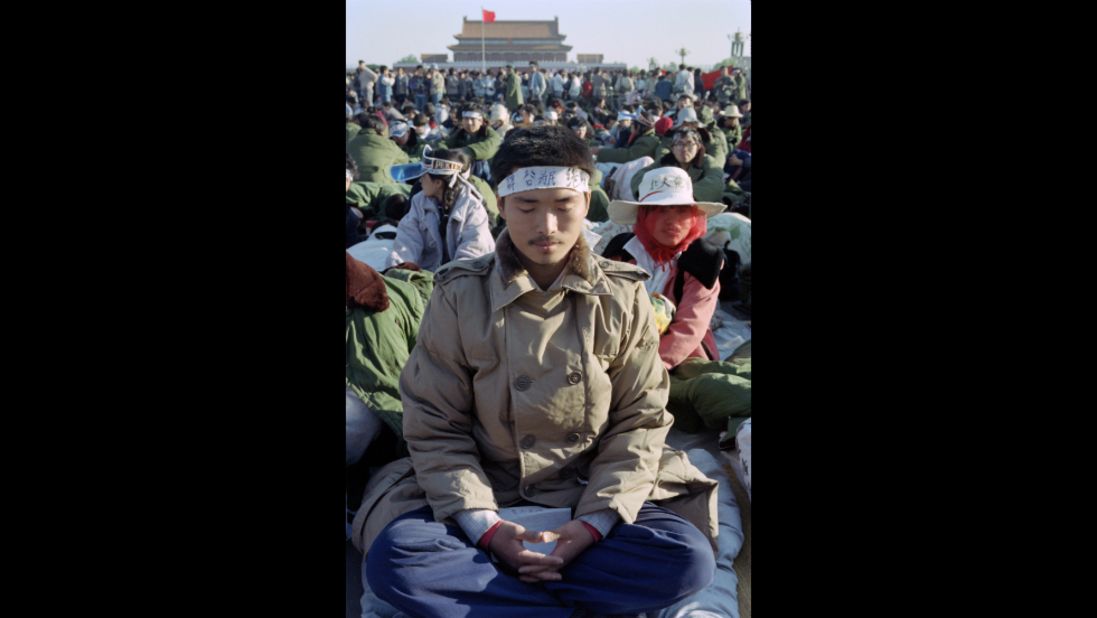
(498, 360)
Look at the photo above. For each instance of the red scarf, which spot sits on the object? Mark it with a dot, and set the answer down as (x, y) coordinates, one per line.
(659, 252)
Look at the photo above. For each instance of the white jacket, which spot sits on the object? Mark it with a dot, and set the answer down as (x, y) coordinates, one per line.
(419, 239)
(576, 86)
(684, 82)
(557, 82)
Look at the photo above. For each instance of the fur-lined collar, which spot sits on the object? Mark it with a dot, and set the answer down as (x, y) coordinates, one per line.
(365, 286)
(579, 260)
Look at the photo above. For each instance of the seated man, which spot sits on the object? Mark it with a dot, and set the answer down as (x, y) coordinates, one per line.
(408, 140)
(476, 138)
(536, 380)
(374, 153)
(642, 142)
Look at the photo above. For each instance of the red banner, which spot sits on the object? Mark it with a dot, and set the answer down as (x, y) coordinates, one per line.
(709, 79)
(489, 16)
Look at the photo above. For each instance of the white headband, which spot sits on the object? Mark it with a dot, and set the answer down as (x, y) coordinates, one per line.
(439, 167)
(443, 167)
(545, 177)
(472, 114)
(462, 176)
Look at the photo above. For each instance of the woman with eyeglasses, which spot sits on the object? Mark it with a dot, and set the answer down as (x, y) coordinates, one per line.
(687, 152)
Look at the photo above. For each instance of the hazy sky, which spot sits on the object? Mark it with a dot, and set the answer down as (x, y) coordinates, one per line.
(629, 31)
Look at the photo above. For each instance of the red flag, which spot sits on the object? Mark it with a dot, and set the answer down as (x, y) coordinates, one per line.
(489, 16)
(709, 79)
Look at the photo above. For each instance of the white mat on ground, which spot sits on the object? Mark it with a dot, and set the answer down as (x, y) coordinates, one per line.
(730, 332)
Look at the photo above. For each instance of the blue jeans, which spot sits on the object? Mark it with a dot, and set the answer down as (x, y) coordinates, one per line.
(427, 568)
(420, 101)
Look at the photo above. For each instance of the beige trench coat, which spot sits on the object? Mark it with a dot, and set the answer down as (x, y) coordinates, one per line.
(555, 397)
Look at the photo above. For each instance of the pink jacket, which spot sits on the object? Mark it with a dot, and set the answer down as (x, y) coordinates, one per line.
(689, 334)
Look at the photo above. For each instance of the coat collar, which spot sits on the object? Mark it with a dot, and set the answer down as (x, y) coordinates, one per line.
(511, 280)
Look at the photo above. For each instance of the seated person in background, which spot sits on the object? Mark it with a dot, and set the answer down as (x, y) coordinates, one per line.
(447, 219)
(669, 225)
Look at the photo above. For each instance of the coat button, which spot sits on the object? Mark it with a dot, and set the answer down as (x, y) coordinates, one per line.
(574, 377)
(522, 383)
(528, 441)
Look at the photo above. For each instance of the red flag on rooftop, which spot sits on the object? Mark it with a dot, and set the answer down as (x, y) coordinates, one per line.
(489, 16)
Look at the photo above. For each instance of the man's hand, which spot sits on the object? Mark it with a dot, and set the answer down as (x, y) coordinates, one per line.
(572, 539)
(507, 546)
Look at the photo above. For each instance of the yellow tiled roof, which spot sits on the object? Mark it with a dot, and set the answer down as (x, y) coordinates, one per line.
(510, 30)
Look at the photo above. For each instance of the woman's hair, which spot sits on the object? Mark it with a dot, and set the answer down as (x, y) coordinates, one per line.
(395, 206)
(645, 223)
(698, 160)
(450, 192)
